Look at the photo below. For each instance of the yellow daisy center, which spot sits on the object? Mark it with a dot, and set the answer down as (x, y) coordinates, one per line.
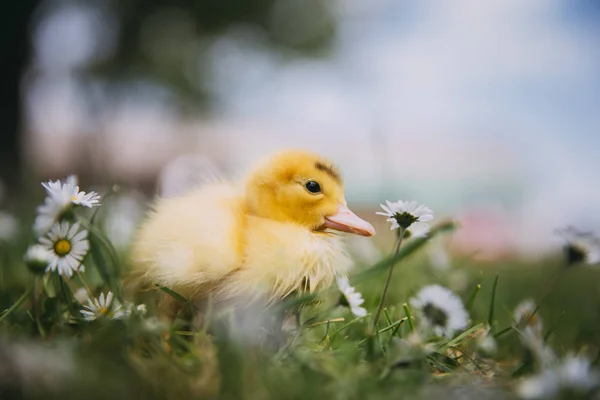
(103, 311)
(73, 198)
(62, 247)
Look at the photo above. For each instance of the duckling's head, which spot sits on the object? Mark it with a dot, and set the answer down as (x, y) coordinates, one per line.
(302, 188)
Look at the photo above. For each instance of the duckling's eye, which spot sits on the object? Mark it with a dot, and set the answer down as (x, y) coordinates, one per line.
(313, 187)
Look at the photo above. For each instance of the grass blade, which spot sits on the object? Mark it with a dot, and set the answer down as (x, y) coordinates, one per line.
(393, 325)
(492, 302)
(411, 323)
(553, 326)
(105, 258)
(107, 273)
(352, 322)
(503, 331)
(171, 293)
(292, 302)
(471, 300)
(462, 336)
(406, 250)
(16, 305)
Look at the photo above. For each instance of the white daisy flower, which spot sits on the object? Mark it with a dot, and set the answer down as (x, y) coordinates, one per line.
(60, 197)
(530, 327)
(441, 309)
(67, 246)
(84, 199)
(37, 253)
(487, 345)
(351, 296)
(119, 311)
(37, 257)
(580, 247)
(527, 319)
(103, 307)
(81, 295)
(572, 378)
(407, 215)
(57, 201)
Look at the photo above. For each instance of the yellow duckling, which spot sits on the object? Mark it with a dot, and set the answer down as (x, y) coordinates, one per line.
(268, 237)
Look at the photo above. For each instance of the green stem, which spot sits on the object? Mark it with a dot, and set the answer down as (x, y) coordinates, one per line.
(87, 288)
(543, 295)
(547, 289)
(409, 317)
(389, 278)
(16, 305)
(394, 325)
(474, 294)
(493, 302)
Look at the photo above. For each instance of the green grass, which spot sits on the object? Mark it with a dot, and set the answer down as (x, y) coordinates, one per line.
(47, 350)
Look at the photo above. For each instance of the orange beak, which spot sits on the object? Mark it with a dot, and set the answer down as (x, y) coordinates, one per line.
(346, 221)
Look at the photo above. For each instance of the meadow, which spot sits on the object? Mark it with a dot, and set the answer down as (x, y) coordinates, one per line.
(465, 329)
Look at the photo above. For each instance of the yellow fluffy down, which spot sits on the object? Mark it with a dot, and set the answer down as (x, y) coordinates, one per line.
(206, 243)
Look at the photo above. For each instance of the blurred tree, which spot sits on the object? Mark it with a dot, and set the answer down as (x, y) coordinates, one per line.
(14, 42)
(164, 41)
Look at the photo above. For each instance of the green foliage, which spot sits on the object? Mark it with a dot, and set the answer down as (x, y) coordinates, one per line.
(164, 40)
(328, 353)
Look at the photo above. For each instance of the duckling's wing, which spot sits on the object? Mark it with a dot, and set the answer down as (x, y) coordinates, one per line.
(187, 173)
(190, 243)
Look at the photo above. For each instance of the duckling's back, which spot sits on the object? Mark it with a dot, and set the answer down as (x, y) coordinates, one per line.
(187, 243)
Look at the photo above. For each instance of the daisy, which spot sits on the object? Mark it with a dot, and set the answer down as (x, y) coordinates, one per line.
(527, 318)
(66, 246)
(131, 308)
(81, 295)
(103, 307)
(487, 345)
(441, 309)
(407, 215)
(60, 197)
(529, 325)
(36, 257)
(351, 296)
(120, 312)
(572, 378)
(580, 246)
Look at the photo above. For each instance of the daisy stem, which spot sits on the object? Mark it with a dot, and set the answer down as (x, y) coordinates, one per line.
(389, 278)
(16, 305)
(409, 317)
(87, 288)
(546, 290)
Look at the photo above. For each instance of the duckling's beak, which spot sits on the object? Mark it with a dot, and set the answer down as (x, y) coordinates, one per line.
(346, 221)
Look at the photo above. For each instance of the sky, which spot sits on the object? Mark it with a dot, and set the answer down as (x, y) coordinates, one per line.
(461, 105)
(478, 98)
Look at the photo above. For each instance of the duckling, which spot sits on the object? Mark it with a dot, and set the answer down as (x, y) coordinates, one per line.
(269, 236)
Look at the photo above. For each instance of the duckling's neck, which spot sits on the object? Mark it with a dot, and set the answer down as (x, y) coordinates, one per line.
(281, 258)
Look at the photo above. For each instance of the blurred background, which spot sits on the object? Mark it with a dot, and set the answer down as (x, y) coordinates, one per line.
(484, 111)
